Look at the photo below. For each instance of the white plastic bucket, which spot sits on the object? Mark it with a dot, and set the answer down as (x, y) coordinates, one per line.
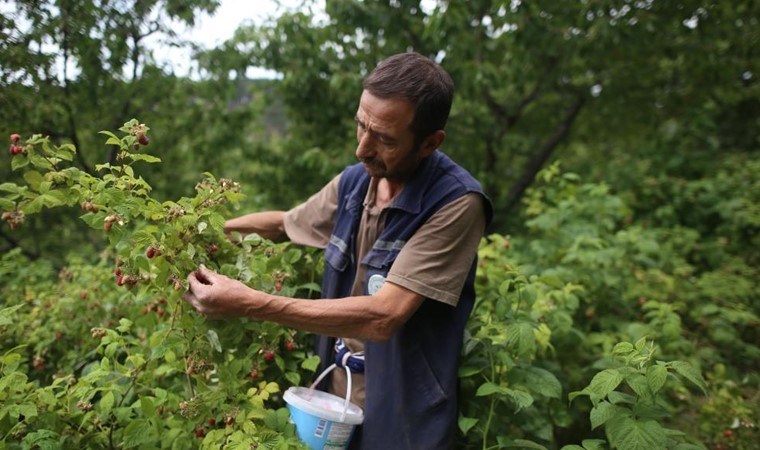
(323, 421)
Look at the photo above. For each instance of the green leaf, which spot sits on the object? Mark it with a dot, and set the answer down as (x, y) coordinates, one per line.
(124, 325)
(33, 179)
(142, 157)
(524, 443)
(18, 162)
(489, 388)
(521, 399)
(107, 402)
(521, 338)
(688, 371)
(43, 440)
(626, 433)
(622, 348)
(601, 413)
(136, 434)
(572, 447)
(639, 384)
(593, 444)
(7, 204)
(5, 314)
(466, 423)
(656, 377)
(539, 380)
(603, 383)
(213, 339)
(687, 446)
(113, 141)
(468, 371)
(311, 363)
(10, 187)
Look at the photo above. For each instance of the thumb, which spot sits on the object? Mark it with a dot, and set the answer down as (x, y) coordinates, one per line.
(205, 275)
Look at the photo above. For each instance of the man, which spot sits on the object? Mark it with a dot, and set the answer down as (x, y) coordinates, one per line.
(400, 231)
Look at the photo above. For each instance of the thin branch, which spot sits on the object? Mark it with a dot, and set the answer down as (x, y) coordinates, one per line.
(15, 244)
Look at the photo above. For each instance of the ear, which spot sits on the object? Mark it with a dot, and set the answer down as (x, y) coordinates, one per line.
(432, 143)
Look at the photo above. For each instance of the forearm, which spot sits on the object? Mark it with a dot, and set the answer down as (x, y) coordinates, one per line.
(268, 224)
(364, 317)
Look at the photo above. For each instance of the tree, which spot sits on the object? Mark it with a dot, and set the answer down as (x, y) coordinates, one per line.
(73, 68)
(532, 77)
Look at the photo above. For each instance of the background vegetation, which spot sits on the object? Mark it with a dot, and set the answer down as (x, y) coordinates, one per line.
(618, 303)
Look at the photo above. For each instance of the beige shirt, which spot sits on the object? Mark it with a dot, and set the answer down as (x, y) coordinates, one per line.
(434, 262)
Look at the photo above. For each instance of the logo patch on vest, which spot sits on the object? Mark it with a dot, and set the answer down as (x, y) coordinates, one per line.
(374, 284)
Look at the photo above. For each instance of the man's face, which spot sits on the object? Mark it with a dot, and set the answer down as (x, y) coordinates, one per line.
(385, 139)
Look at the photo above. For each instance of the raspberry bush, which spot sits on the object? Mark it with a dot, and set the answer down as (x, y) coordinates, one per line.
(108, 355)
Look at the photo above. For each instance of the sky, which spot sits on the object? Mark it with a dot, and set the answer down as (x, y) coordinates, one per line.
(212, 30)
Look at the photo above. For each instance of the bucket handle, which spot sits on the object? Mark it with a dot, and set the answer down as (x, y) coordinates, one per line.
(348, 388)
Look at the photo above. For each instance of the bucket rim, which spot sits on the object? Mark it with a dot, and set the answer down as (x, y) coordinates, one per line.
(294, 396)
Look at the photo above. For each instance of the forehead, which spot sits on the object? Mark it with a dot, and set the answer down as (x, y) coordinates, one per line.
(387, 113)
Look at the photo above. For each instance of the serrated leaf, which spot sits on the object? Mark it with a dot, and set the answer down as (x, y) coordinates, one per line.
(136, 434)
(601, 413)
(572, 447)
(43, 440)
(626, 433)
(657, 375)
(639, 384)
(519, 398)
(106, 402)
(688, 371)
(539, 380)
(603, 383)
(5, 314)
(521, 338)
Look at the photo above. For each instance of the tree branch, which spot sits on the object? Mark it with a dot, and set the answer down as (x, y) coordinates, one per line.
(537, 160)
(15, 244)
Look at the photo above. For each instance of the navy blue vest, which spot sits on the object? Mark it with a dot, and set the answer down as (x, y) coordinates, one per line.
(411, 380)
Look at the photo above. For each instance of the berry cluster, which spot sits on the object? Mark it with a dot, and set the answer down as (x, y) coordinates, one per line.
(139, 130)
(110, 220)
(16, 149)
(14, 218)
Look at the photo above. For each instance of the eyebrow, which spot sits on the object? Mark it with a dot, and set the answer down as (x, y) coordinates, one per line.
(375, 133)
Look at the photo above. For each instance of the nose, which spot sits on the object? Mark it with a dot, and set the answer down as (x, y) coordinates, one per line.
(365, 148)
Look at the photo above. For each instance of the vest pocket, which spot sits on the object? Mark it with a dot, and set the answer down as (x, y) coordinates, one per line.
(425, 382)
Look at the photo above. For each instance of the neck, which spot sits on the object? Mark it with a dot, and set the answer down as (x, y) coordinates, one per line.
(387, 191)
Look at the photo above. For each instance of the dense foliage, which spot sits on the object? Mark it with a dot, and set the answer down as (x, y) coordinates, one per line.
(617, 292)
